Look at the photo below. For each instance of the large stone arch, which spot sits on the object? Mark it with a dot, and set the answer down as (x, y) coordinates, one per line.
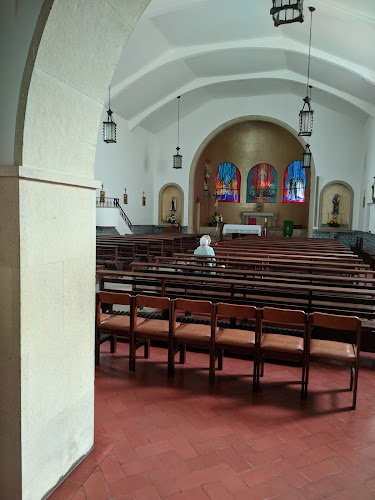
(224, 126)
(48, 242)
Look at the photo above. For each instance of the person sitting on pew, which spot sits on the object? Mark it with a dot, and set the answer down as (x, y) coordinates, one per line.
(205, 250)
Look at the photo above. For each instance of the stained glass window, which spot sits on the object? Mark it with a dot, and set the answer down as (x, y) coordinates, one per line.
(261, 184)
(294, 185)
(227, 183)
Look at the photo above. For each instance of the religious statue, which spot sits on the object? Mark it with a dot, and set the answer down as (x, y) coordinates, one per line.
(205, 181)
(336, 202)
(372, 191)
(173, 204)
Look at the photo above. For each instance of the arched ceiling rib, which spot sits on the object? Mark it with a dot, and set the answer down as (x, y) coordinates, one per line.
(203, 48)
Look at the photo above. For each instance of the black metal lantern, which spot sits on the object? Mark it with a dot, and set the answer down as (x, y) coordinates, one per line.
(177, 158)
(306, 114)
(286, 12)
(307, 157)
(109, 126)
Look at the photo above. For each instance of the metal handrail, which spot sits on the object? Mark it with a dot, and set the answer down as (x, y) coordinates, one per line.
(114, 203)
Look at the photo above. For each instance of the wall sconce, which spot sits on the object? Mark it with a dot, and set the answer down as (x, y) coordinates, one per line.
(125, 198)
(102, 195)
(143, 199)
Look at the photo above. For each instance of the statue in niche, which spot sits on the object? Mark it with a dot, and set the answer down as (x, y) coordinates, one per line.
(173, 204)
(205, 181)
(372, 191)
(336, 203)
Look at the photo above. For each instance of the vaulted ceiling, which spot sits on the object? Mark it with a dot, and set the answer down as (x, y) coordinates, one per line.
(215, 49)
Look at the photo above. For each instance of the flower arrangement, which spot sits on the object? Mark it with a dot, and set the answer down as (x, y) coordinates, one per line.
(334, 221)
(172, 220)
(216, 218)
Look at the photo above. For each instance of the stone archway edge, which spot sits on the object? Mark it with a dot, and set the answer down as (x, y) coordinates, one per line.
(42, 175)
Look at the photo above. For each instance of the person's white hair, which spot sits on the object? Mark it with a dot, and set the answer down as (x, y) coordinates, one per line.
(203, 241)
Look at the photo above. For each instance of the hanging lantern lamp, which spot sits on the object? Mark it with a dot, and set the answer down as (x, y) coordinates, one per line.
(286, 12)
(306, 114)
(109, 126)
(306, 157)
(177, 158)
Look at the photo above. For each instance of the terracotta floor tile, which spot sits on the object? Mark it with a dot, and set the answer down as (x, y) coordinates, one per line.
(265, 443)
(100, 452)
(165, 484)
(291, 473)
(111, 469)
(256, 459)
(259, 475)
(194, 493)
(82, 471)
(148, 493)
(183, 448)
(129, 484)
(232, 458)
(80, 495)
(321, 489)
(216, 490)
(95, 487)
(319, 470)
(177, 439)
(139, 466)
(65, 491)
(124, 451)
(153, 449)
(204, 461)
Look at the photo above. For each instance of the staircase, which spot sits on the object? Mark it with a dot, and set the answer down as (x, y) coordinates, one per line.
(114, 203)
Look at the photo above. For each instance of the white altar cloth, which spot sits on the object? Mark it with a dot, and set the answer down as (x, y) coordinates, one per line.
(242, 229)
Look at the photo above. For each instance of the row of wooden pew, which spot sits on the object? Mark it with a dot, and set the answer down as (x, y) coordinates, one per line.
(116, 252)
(262, 334)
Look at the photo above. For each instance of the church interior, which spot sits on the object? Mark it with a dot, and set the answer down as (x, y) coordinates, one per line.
(130, 129)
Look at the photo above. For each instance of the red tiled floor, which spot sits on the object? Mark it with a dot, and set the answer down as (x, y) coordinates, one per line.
(178, 439)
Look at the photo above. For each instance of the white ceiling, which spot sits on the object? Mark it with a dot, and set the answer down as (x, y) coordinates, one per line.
(214, 49)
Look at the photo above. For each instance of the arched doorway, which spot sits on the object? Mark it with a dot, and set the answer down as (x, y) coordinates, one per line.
(48, 259)
(248, 143)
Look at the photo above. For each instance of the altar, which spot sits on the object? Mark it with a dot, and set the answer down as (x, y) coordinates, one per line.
(242, 229)
(261, 218)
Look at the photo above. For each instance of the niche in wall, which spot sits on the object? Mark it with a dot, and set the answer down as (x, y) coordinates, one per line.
(341, 205)
(171, 197)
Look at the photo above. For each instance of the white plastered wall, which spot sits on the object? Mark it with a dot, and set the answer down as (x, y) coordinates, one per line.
(129, 163)
(47, 266)
(336, 144)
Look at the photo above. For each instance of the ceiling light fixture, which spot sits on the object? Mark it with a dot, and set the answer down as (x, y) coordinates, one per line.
(306, 157)
(109, 126)
(286, 12)
(177, 158)
(306, 113)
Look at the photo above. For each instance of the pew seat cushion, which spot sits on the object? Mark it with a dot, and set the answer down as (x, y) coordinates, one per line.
(119, 322)
(154, 328)
(103, 317)
(193, 332)
(282, 343)
(237, 338)
(332, 350)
